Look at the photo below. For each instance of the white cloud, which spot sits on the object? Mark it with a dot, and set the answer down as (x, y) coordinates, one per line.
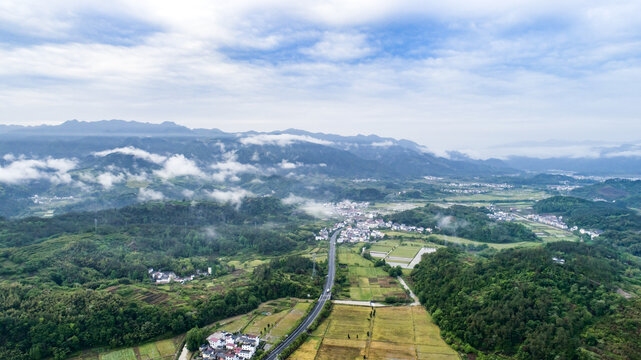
(135, 152)
(188, 193)
(386, 143)
(284, 164)
(230, 169)
(309, 206)
(108, 179)
(484, 72)
(281, 139)
(23, 170)
(233, 196)
(340, 46)
(179, 165)
(8, 157)
(626, 153)
(145, 194)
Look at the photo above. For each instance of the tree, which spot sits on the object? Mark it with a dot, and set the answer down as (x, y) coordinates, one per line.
(195, 337)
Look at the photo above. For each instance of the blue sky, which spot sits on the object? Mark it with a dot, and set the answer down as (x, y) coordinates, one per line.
(454, 75)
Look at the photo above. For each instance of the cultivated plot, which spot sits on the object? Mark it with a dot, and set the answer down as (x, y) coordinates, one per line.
(405, 332)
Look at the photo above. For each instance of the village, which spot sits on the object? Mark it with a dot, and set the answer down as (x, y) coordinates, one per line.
(223, 345)
(361, 225)
(165, 277)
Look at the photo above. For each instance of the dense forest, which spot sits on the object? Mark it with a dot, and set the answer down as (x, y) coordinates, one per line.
(464, 221)
(622, 191)
(41, 322)
(525, 304)
(621, 225)
(70, 282)
(590, 214)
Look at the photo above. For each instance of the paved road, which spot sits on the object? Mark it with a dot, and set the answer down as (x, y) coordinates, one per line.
(325, 295)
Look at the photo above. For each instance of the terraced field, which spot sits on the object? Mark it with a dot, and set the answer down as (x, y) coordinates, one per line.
(405, 332)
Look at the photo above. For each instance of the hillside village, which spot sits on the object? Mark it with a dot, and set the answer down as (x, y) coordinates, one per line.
(223, 345)
(165, 277)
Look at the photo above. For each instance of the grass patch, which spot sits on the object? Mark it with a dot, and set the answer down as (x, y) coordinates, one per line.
(148, 352)
(394, 324)
(366, 281)
(331, 349)
(166, 347)
(285, 325)
(308, 350)
(123, 354)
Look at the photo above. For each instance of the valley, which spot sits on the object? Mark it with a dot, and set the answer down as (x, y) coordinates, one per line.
(150, 244)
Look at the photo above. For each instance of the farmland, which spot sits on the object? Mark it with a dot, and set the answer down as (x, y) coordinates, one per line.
(271, 320)
(349, 332)
(158, 350)
(366, 282)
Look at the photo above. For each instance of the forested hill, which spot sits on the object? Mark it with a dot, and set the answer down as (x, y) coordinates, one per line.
(175, 236)
(464, 221)
(622, 226)
(66, 286)
(591, 214)
(623, 191)
(524, 304)
(148, 218)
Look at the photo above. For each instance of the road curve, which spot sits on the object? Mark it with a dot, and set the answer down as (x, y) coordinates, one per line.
(325, 295)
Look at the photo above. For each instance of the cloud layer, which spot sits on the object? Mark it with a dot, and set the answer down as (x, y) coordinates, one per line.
(23, 170)
(449, 75)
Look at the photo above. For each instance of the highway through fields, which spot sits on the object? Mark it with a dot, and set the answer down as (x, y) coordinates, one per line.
(324, 297)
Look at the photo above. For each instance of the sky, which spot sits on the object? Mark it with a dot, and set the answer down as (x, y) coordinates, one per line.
(450, 75)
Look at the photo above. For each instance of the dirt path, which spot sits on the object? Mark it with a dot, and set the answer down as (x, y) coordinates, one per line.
(184, 355)
(412, 295)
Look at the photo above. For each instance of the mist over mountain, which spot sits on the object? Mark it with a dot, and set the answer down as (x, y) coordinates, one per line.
(94, 165)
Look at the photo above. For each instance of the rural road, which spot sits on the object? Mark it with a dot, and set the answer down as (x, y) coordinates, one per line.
(325, 295)
(412, 295)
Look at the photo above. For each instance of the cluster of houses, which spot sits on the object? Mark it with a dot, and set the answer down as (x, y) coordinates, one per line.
(360, 225)
(323, 234)
(592, 233)
(408, 228)
(474, 188)
(557, 222)
(359, 234)
(223, 345)
(502, 216)
(552, 220)
(165, 277)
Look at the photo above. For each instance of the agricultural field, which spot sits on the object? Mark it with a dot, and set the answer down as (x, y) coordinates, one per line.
(367, 283)
(158, 350)
(549, 233)
(406, 250)
(404, 332)
(281, 315)
(512, 196)
(425, 238)
(270, 321)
